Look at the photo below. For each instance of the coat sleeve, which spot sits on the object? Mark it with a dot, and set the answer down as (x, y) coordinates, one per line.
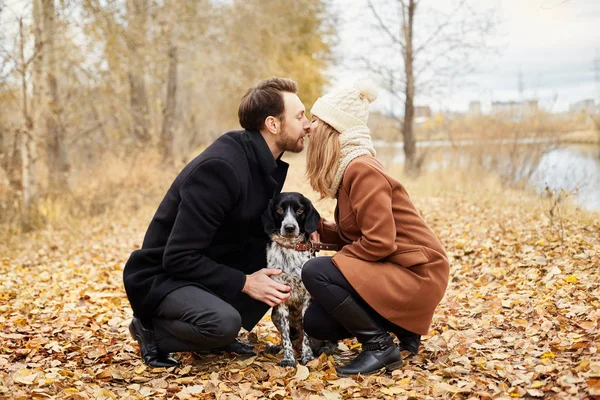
(209, 192)
(370, 195)
(329, 233)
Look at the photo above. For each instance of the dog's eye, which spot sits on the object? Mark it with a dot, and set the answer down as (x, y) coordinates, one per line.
(300, 211)
(279, 210)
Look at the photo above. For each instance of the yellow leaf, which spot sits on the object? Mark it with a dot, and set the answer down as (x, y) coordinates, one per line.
(355, 346)
(515, 394)
(549, 355)
(571, 279)
(537, 384)
(392, 390)
(272, 339)
(185, 370)
(140, 369)
(405, 383)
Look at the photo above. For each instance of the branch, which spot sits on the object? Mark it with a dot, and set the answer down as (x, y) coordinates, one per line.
(384, 27)
(439, 29)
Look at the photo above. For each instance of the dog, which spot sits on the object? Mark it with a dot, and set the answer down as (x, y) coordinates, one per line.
(289, 220)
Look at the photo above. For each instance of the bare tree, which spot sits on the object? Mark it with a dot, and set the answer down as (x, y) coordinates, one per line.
(170, 108)
(137, 21)
(126, 72)
(27, 137)
(58, 163)
(422, 65)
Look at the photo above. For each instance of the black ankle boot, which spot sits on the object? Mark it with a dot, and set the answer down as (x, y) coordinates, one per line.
(409, 341)
(378, 348)
(148, 347)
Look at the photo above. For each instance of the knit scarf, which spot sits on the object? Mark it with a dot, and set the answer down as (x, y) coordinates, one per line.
(354, 142)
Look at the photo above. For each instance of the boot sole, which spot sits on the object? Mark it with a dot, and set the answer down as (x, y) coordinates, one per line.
(394, 366)
(388, 368)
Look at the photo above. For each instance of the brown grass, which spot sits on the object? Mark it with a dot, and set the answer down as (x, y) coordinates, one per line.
(113, 188)
(109, 187)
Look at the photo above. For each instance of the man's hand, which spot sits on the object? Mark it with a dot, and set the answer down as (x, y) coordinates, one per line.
(261, 287)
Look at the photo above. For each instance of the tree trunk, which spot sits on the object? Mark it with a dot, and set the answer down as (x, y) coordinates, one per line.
(27, 138)
(411, 166)
(137, 15)
(58, 164)
(170, 107)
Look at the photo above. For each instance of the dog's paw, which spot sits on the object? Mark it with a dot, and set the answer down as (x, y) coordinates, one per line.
(323, 346)
(288, 363)
(306, 358)
(328, 347)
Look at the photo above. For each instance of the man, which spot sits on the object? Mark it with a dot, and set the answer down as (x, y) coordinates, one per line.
(199, 276)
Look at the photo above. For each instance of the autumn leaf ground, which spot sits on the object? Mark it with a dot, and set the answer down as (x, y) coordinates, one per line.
(521, 317)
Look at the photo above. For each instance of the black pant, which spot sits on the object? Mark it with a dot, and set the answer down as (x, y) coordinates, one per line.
(192, 319)
(329, 288)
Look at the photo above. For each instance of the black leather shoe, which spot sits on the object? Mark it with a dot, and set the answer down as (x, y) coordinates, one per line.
(241, 348)
(378, 348)
(148, 347)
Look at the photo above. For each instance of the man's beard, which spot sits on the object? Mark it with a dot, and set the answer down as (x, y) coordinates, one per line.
(288, 143)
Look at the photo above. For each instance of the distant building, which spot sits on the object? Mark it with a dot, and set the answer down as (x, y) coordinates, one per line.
(475, 108)
(422, 114)
(422, 111)
(514, 110)
(588, 106)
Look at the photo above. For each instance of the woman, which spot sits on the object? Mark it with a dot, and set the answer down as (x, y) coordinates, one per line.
(391, 271)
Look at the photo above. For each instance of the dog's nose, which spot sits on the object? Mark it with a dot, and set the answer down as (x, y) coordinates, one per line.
(289, 228)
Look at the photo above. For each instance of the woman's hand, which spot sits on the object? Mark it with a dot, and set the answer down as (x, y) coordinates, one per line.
(315, 237)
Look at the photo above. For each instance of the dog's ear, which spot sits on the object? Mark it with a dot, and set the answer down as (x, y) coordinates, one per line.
(267, 219)
(312, 217)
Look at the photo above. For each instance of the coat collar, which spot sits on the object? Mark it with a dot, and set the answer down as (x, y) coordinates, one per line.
(263, 154)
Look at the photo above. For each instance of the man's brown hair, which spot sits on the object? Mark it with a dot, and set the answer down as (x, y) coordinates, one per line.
(262, 100)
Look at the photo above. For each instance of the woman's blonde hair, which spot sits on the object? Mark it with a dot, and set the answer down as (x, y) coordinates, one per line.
(322, 158)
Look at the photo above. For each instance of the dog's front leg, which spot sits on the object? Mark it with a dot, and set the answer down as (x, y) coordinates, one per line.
(281, 320)
(307, 353)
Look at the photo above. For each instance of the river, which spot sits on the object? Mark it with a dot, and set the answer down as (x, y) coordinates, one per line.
(536, 163)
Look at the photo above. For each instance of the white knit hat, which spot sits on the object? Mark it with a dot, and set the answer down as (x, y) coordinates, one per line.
(347, 111)
(347, 108)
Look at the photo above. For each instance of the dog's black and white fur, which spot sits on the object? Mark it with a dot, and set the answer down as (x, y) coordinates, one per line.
(289, 220)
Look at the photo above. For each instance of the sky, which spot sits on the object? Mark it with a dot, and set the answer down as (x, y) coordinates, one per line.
(552, 44)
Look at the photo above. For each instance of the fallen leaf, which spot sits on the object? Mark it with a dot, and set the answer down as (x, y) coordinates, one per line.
(25, 376)
(302, 373)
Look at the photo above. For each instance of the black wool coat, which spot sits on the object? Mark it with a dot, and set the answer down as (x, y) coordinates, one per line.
(207, 231)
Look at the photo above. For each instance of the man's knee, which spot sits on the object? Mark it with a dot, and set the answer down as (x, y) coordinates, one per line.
(220, 328)
(231, 323)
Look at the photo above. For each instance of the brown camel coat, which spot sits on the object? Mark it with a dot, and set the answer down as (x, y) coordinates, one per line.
(389, 255)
